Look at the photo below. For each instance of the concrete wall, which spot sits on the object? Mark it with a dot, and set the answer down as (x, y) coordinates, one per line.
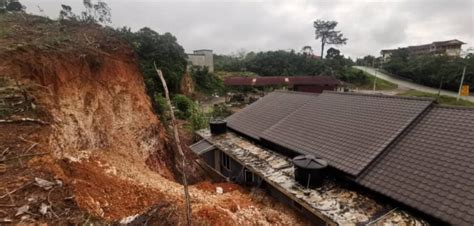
(202, 58)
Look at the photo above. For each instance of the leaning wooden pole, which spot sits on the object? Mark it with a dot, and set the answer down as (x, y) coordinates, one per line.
(178, 143)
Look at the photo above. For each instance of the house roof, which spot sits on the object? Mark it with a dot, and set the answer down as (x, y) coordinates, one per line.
(267, 111)
(281, 80)
(348, 130)
(431, 166)
(409, 149)
(201, 147)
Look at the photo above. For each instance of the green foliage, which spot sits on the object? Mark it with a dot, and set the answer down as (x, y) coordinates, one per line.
(325, 30)
(363, 80)
(290, 63)
(160, 106)
(433, 71)
(165, 51)
(446, 100)
(356, 77)
(220, 111)
(369, 60)
(207, 82)
(228, 63)
(197, 119)
(94, 13)
(184, 106)
(10, 5)
(4, 32)
(284, 63)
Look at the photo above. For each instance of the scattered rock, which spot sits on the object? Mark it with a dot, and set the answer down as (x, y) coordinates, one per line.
(23, 209)
(219, 190)
(129, 219)
(5, 220)
(44, 208)
(45, 184)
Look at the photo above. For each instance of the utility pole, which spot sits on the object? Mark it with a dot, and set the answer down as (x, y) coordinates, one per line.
(462, 81)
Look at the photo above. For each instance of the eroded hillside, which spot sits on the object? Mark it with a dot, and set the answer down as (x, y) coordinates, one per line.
(79, 141)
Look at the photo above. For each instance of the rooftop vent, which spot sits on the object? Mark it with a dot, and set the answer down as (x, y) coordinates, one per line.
(218, 126)
(309, 170)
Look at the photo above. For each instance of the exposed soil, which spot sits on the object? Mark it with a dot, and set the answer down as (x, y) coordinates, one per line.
(92, 136)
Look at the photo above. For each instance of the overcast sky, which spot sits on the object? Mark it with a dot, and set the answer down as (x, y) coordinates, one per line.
(229, 26)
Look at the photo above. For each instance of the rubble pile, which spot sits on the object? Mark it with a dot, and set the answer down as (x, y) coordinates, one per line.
(339, 204)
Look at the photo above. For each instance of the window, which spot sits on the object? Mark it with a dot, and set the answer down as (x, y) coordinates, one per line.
(225, 161)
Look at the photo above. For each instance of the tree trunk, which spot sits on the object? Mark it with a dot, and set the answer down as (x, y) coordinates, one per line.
(178, 143)
(322, 48)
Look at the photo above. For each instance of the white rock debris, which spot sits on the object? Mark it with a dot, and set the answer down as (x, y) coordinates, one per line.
(342, 205)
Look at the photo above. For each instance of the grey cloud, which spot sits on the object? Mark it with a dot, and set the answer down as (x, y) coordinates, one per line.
(227, 26)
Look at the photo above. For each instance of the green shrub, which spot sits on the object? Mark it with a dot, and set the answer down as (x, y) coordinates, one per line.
(220, 111)
(160, 106)
(198, 119)
(184, 106)
(207, 82)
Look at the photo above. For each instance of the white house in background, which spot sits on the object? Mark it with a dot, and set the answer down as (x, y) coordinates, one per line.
(202, 58)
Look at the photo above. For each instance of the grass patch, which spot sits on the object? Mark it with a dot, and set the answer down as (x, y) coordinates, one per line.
(379, 85)
(4, 32)
(225, 74)
(445, 100)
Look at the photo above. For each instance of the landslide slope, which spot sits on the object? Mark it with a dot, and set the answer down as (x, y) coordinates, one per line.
(80, 143)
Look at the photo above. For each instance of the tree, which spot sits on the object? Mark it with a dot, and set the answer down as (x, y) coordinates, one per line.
(11, 5)
(324, 30)
(95, 13)
(307, 50)
(163, 49)
(333, 53)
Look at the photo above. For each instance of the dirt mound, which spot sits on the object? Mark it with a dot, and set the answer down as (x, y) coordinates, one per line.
(103, 151)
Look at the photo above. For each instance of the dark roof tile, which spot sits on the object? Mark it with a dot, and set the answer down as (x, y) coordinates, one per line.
(348, 130)
(439, 175)
(267, 111)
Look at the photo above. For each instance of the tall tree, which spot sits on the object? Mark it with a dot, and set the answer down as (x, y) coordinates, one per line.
(324, 30)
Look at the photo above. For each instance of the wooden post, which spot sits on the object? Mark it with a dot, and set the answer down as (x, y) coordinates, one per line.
(178, 143)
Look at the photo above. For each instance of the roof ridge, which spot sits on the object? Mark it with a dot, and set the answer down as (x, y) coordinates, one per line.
(454, 107)
(380, 95)
(296, 92)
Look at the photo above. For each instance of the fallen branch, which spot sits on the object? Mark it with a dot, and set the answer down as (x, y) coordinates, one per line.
(29, 149)
(178, 144)
(39, 121)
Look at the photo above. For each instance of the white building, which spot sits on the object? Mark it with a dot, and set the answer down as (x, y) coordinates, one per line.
(202, 58)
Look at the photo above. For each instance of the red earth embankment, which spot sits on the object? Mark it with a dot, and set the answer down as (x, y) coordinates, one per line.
(105, 152)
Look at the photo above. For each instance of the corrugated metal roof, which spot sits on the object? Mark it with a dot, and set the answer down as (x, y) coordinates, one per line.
(201, 147)
(281, 80)
(348, 130)
(431, 166)
(267, 111)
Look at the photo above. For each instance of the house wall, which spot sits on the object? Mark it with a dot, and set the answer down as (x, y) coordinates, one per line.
(209, 158)
(237, 174)
(453, 51)
(202, 58)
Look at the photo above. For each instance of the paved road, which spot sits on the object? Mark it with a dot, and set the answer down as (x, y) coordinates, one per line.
(410, 85)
